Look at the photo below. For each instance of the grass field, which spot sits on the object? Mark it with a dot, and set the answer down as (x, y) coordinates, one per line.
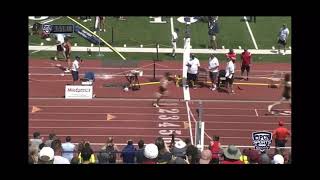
(138, 30)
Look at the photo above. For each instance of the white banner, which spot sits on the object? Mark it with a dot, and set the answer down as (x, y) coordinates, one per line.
(78, 92)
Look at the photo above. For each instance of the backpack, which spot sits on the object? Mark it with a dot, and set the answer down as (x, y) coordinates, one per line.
(111, 154)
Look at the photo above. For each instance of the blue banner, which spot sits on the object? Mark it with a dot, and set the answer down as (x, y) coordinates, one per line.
(87, 35)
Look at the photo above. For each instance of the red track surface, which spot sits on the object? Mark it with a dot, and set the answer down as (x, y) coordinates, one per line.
(134, 117)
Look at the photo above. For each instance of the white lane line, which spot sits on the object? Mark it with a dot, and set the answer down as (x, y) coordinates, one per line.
(256, 112)
(249, 29)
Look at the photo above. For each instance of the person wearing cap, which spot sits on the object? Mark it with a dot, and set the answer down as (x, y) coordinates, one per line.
(231, 155)
(150, 153)
(213, 70)
(75, 69)
(230, 70)
(246, 62)
(46, 156)
(282, 38)
(281, 135)
(192, 72)
(179, 149)
(278, 159)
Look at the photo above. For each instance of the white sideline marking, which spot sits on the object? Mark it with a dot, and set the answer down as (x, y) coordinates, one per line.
(256, 112)
(249, 29)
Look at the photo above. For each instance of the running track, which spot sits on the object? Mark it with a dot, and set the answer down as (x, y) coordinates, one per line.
(232, 117)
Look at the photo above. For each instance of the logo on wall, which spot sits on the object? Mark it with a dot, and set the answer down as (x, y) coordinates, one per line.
(47, 28)
(262, 140)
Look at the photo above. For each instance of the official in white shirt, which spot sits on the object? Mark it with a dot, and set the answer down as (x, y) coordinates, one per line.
(230, 69)
(174, 40)
(192, 73)
(282, 38)
(213, 70)
(75, 69)
(60, 48)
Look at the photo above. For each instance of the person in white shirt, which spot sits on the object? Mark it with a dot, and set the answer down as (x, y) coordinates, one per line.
(174, 41)
(75, 69)
(213, 70)
(68, 149)
(57, 148)
(60, 48)
(192, 73)
(230, 69)
(282, 38)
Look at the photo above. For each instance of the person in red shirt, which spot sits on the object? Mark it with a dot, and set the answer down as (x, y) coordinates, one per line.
(246, 62)
(231, 55)
(215, 149)
(281, 135)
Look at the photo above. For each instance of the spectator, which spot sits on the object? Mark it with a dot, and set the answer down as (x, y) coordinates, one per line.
(74, 160)
(150, 153)
(68, 148)
(164, 155)
(128, 153)
(215, 149)
(192, 152)
(33, 154)
(139, 153)
(231, 155)
(46, 156)
(178, 160)
(278, 159)
(52, 136)
(87, 148)
(108, 153)
(42, 145)
(253, 155)
(281, 135)
(37, 139)
(213, 31)
(206, 156)
(179, 149)
(213, 70)
(193, 66)
(86, 156)
(282, 38)
(246, 62)
(174, 40)
(264, 158)
(57, 148)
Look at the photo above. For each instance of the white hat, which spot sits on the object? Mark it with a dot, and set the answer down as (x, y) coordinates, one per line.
(46, 154)
(180, 144)
(151, 151)
(278, 159)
